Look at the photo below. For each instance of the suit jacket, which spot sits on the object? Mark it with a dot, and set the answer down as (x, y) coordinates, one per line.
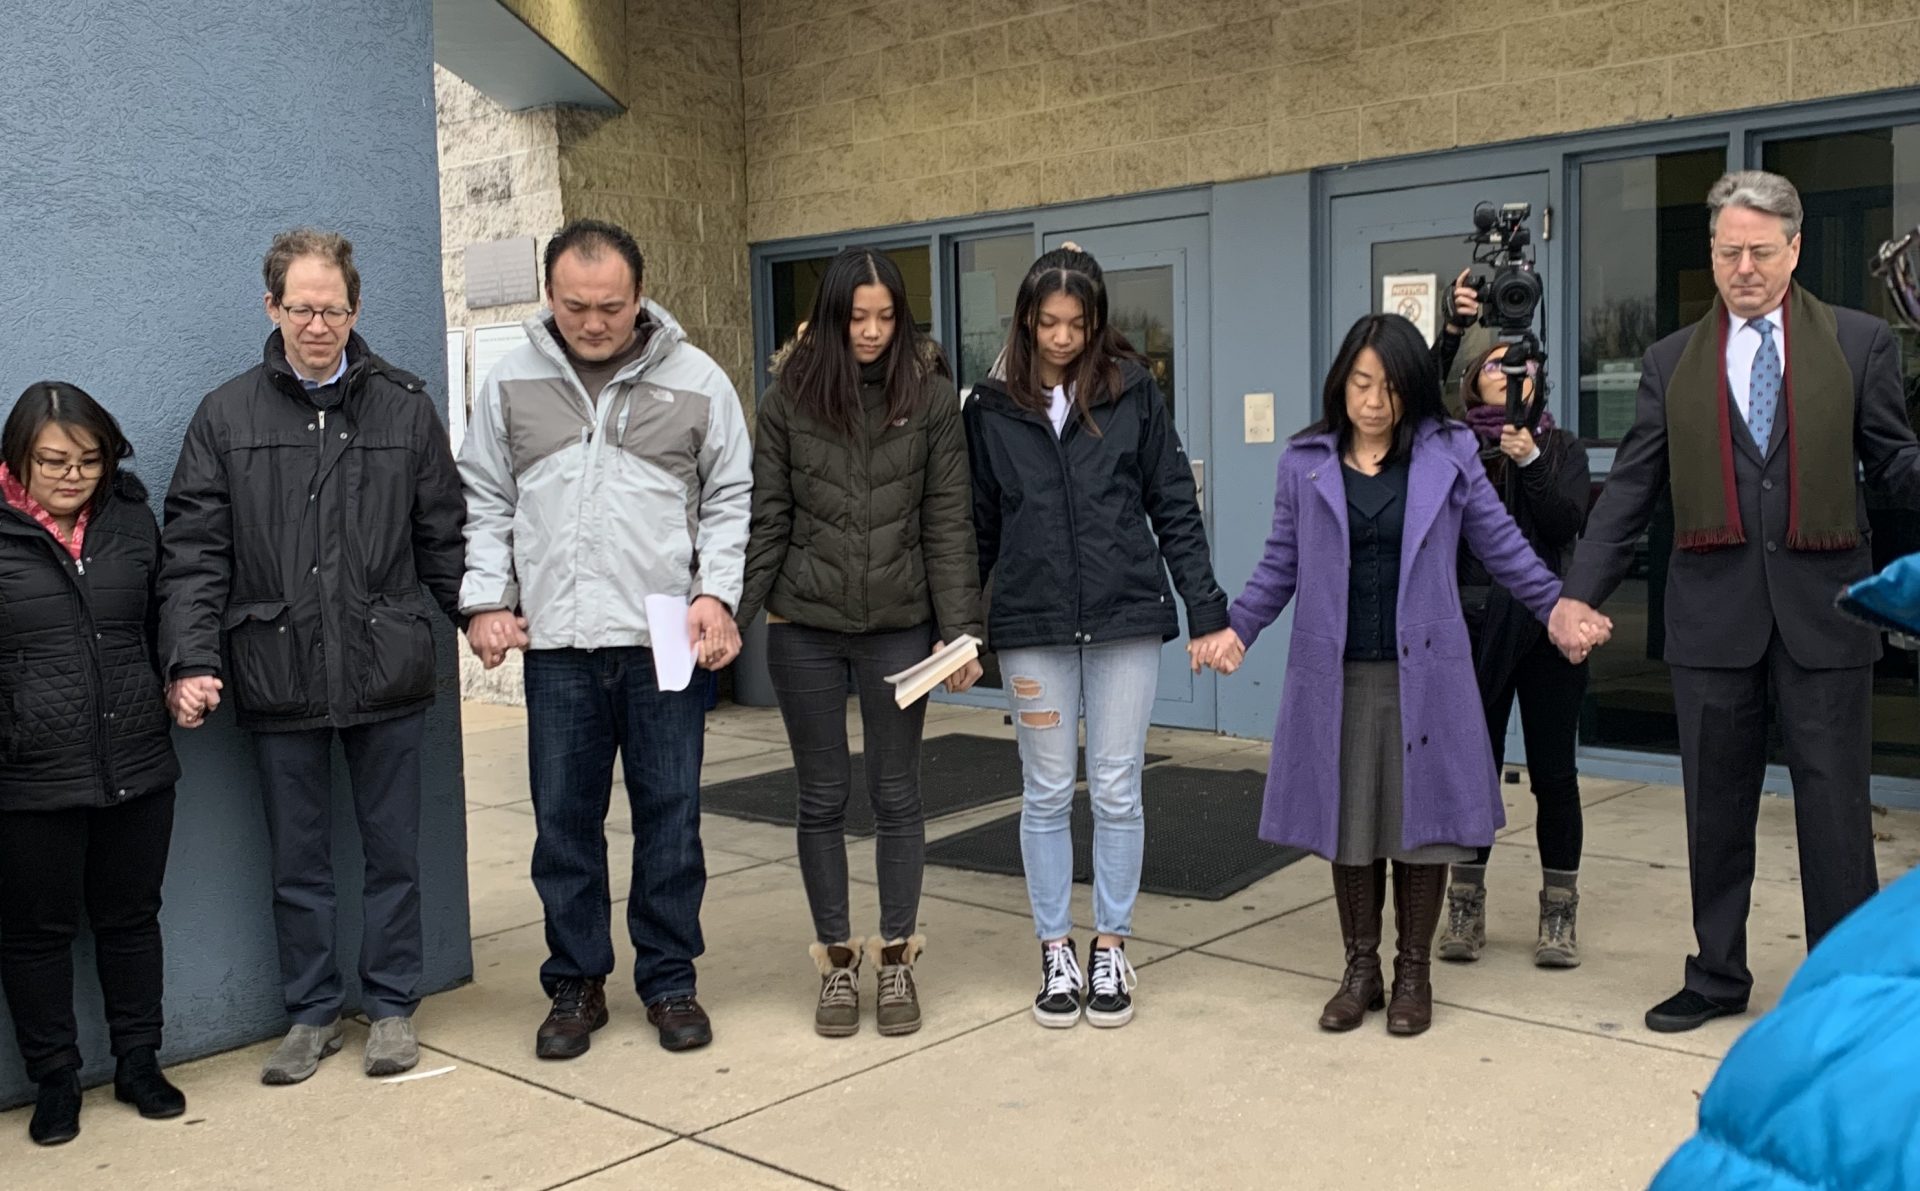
(1724, 605)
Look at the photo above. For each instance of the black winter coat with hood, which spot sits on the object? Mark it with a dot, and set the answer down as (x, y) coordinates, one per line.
(298, 539)
(83, 717)
(1078, 531)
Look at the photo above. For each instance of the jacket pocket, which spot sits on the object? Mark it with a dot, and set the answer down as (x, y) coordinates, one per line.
(262, 658)
(399, 654)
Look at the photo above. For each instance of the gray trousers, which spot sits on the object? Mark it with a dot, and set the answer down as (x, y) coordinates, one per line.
(296, 774)
(1826, 725)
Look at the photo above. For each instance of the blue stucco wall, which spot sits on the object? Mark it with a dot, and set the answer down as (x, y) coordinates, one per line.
(150, 150)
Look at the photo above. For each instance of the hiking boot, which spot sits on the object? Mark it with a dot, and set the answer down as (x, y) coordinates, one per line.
(898, 1009)
(1559, 945)
(838, 1013)
(1359, 893)
(392, 1047)
(1110, 986)
(683, 1025)
(1061, 983)
(579, 1008)
(137, 1081)
(1466, 932)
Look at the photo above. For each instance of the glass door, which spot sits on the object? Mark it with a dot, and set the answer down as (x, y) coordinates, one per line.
(1157, 294)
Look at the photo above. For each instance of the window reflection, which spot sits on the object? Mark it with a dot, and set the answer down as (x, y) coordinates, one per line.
(987, 276)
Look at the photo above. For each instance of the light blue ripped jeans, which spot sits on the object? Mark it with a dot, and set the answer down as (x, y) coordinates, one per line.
(1049, 689)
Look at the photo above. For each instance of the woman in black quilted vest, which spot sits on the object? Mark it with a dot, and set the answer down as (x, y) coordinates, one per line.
(862, 554)
(86, 760)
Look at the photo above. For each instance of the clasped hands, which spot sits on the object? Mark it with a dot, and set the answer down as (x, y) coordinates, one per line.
(1575, 628)
(711, 633)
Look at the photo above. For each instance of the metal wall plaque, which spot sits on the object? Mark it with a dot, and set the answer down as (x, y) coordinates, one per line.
(502, 273)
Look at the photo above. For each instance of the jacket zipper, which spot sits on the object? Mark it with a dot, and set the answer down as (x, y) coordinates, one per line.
(1073, 529)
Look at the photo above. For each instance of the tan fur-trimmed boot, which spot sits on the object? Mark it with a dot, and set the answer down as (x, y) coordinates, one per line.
(838, 1013)
(898, 1009)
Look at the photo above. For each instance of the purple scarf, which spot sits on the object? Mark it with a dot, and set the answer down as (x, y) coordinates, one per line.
(1489, 420)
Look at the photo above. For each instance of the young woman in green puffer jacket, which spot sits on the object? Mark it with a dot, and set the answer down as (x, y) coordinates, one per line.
(862, 554)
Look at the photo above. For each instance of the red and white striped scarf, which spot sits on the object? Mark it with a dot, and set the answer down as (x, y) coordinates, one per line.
(16, 495)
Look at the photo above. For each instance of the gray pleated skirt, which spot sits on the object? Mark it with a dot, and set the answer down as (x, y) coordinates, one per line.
(1371, 786)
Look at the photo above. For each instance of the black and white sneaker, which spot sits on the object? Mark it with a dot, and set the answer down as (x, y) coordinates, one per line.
(1110, 1001)
(1058, 1005)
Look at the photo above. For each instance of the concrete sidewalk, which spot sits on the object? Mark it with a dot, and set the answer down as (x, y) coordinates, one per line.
(1529, 1079)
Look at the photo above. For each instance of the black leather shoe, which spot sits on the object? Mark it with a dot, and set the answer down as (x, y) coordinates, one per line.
(137, 1081)
(1688, 1010)
(56, 1113)
(683, 1025)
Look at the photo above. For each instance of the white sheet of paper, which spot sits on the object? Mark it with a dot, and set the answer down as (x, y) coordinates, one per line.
(672, 653)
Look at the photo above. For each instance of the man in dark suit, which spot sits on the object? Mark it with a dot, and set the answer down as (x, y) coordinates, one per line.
(1762, 417)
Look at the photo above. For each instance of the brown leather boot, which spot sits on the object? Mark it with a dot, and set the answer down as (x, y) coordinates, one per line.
(579, 1008)
(1419, 899)
(1359, 891)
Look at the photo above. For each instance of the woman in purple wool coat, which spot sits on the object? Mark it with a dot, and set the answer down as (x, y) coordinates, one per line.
(1370, 508)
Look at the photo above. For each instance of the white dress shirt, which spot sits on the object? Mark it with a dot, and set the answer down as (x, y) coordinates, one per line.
(1743, 344)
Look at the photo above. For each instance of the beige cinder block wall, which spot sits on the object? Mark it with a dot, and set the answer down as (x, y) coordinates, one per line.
(922, 109)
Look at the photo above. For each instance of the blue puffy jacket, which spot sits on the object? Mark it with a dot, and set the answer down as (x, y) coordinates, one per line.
(1824, 1092)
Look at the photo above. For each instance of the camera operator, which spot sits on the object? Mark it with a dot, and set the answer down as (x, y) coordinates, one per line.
(1542, 475)
(1461, 325)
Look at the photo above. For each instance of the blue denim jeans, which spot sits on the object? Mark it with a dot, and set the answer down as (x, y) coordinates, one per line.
(582, 707)
(1049, 689)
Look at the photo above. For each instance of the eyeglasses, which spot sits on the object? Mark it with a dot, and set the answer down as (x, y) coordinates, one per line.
(1730, 254)
(334, 316)
(59, 469)
(1496, 365)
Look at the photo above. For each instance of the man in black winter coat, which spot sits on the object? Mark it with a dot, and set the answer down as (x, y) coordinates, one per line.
(315, 495)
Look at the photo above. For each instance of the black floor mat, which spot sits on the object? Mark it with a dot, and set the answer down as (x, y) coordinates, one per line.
(1201, 836)
(957, 773)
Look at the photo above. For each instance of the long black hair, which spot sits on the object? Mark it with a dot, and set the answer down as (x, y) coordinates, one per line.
(1095, 376)
(821, 375)
(1412, 379)
(56, 402)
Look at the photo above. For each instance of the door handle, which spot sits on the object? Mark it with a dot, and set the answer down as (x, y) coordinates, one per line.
(1200, 482)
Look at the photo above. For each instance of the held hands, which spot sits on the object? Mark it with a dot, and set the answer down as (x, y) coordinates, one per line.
(1576, 629)
(494, 634)
(963, 678)
(1221, 651)
(192, 700)
(712, 634)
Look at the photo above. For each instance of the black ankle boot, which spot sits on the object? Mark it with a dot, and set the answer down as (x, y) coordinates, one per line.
(56, 1115)
(137, 1081)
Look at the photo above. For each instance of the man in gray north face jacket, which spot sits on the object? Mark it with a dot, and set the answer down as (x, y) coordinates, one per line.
(608, 461)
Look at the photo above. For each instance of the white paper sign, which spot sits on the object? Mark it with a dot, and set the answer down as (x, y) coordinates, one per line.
(1411, 295)
(456, 388)
(492, 342)
(672, 652)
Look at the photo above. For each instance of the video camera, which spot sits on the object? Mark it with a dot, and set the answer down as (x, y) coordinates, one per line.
(1898, 265)
(1509, 300)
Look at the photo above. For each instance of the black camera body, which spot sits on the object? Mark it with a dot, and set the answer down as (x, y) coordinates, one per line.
(1509, 300)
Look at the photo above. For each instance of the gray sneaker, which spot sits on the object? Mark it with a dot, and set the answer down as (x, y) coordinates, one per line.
(838, 1013)
(299, 1053)
(1466, 923)
(392, 1047)
(1559, 945)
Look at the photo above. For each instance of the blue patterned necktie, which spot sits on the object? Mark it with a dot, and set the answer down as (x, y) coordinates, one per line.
(1763, 395)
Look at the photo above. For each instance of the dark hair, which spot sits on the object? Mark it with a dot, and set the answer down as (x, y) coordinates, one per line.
(1412, 377)
(288, 247)
(55, 402)
(1495, 459)
(590, 238)
(821, 375)
(1096, 374)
